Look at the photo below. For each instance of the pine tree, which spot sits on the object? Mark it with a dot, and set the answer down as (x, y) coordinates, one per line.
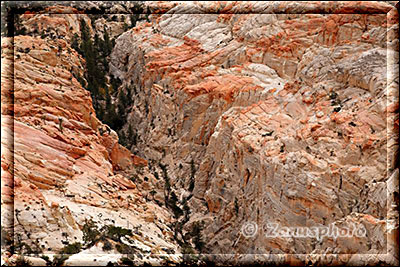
(130, 131)
(107, 43)
(134, 18)
(125, 27)
(197, 237)
(122, 138)
(108, 100)
(75, 44)
(85, 32)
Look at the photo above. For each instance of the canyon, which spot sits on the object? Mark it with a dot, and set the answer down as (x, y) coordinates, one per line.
(238, 115)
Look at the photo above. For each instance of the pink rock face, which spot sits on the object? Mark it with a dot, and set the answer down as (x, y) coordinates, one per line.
(60, 163)
(54, 117)
(284, 110)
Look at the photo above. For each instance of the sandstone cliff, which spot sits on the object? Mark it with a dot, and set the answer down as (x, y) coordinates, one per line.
(63, 168)
(288, 113)
(240, 114)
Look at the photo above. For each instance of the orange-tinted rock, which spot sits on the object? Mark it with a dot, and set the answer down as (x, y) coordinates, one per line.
(62, 154)
(279, 111)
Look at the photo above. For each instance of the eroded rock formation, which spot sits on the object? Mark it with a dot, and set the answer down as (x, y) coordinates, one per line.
(289, 118)
(64, 167)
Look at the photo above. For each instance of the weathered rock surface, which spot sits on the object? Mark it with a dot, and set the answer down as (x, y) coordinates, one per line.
(55, 22)
(289, 118)
(63, 166)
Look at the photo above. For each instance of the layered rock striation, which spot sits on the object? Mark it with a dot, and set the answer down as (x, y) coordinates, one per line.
(288, 113)
(61, 167)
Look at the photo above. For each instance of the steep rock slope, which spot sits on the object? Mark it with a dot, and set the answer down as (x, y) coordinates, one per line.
(62, 168)
(288, 116)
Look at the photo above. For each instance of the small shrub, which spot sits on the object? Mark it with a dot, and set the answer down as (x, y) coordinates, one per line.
(192, 174)
(140, 169)
(107, 246)
(124, 249)
(72, 248)
(6, 239)
(165, 175)
(90, 233)
(47, 259)
(115, 232)
(127, 261)
(196, 234)
(122, 138)
(134, 178)
(236, 206)
(22, 261)
(187, 249)
(153, 192)
(59, 260)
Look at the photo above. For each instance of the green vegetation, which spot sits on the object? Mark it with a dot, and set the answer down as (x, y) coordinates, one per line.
(115, 232)
(107, 246)
(19, 29)
(236, 206)
(196, 235)
(65, 253)
(6, 239)
(125, 249)
(172, 204)
(95, 52)
(72, 248)
(23, 248)
(22, 261)
(181, 211)
(189, 257)
(60, 124)
(130, 137)
(171, 200)
(59, 260)
(75, 43)
(95, 75)
(90, 233)
(126, 261)
(135, 17)
(153, 192)
(187, 249)
(165, 176)
(192, 174)
(47, 259)
(186, 211)
(134, 178)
